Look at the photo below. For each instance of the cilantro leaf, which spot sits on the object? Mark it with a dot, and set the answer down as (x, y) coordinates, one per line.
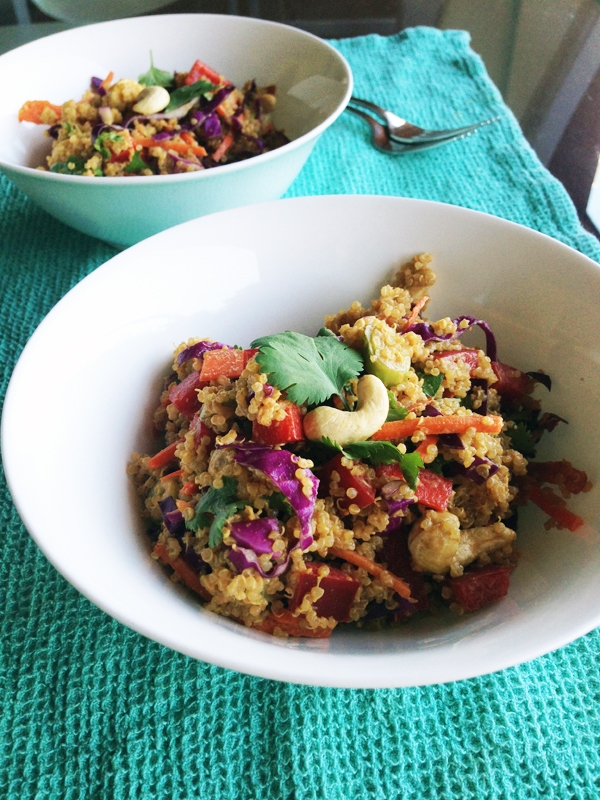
(431, 383)
(396, 410)
(74, 165)
(137, 163)
(185, 94)
(156, 77)
(111, 136)
(309, 370)
(214, 509)
(382, 453)
(522, 440)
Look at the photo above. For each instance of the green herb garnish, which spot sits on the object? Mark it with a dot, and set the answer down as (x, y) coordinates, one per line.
(137, 163)
(378, 453)
(186, 94)
(309, 370)
(396, 410)
(156, 77)
(214, 509)
(74, 165)
(521, 439)
(431, 383)
(107, 136)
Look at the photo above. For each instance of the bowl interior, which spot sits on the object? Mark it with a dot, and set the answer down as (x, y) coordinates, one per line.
(312, 79)
(102, 350)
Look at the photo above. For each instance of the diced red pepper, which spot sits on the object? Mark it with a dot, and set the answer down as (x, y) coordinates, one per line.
(479, 587)
(470, 357)
(365, 492)
(281, 431)
(396, 555)
(124, 157)
(224, 363)
(184, 395)
(189, 488)
(293, 626)
(201, 430)
(389, 472)
(339, 592)
(433, 490)
(200, 70)
(511, 383)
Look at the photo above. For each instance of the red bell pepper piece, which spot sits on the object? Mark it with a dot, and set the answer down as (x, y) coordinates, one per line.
(389, 472)
(280, 431)
(479, 587)
(201, 430)
(124, 157)
(365, 492)
(396, 555)
(339, 592)
(184, 397)
(224, 363)
(200, 70)
(433, 490)
(511, 383)
(470, 357)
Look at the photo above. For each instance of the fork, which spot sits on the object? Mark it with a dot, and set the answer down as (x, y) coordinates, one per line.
(407, 133)
(382, 141)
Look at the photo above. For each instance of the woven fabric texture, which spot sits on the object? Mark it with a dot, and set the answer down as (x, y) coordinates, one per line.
(90, 709)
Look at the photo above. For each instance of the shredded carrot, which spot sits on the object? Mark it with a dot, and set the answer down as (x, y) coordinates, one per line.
(401, 428)
(414, 314)
(423, 446)
(182, 505)
(168, 144)
(352, 557)
(108, 80)
(189, 488)
(554, 506)
(163, 457)
(175, 474)
(32, 111)
(293, 626)
(183, 569)
(223, 147)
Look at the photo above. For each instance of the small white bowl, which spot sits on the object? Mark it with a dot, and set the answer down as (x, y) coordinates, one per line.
(313, 81)
(82, 395)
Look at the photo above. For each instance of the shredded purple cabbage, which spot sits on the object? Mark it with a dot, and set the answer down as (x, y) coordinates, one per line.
(396, 519)
(431, 411)
(254, 534)
(178, 160)
(96, 86)
(455, 468)
(243, 558)
(426, 332)
(101, 127)
(212, 126)
(53, 131)
(172, 517)
(452, 440)
(197, 350)
(280, 467)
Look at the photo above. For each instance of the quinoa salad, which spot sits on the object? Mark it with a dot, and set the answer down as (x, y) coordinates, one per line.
(364, 475)
(163, 123)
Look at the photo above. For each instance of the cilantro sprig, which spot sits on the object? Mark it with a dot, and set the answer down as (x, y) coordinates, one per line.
(185, 94)
(310, 370)
(214, 509)
(431, 383)
(157, 77)
(107, 136)
(396, 411)
(378, 453)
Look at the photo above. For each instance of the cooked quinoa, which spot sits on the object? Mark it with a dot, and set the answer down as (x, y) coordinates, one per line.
(161, 124)
(364, 475)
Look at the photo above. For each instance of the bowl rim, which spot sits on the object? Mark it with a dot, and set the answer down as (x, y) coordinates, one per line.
(208, 174)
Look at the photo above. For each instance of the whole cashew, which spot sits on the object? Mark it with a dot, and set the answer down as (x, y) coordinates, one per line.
(151, 100)
(347, 427)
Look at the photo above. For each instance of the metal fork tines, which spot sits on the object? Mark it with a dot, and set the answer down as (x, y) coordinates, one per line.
(406, 132)
(382, 140)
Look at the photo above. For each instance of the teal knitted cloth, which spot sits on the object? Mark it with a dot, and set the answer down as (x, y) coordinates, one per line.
(90, 709)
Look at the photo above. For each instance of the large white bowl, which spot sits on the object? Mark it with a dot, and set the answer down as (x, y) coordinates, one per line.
(314, 83)
(82, 395)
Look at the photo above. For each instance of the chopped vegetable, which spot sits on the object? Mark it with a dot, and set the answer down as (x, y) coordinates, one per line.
(433, 491)
(215, 508)
(288, 624)
(376, 570)
(162, 458)
(187, 574)
(281, 431)
(339, 591)
(184, 395)
(226, 363)
(479, 587)
(442, 424)
(555, 507)
(33, 111)
(358, 491)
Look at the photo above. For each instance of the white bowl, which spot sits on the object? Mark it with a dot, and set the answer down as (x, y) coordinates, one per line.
(313, 82)
(82, 395)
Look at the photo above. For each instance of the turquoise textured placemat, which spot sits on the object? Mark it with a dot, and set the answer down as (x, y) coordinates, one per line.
(90, 709)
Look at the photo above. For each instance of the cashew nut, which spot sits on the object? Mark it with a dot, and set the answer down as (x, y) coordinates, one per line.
(151, 100)
(346, 427)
